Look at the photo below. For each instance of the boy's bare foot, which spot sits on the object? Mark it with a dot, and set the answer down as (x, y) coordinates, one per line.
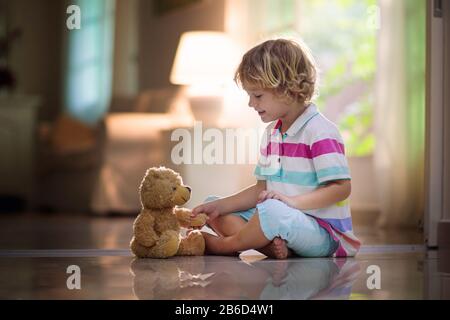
(277, 249)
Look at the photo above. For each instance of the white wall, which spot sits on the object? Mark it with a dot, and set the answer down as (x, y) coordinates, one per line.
(364, 193)
(159, 36)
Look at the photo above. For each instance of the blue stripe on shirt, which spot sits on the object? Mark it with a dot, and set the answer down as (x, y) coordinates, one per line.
(310, 179)
(332, 171)
(291, 177)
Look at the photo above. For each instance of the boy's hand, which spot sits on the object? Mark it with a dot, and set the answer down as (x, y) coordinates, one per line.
(211, 209)
(264, 195)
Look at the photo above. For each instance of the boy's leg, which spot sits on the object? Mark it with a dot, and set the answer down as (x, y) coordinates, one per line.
(250, 236)
(302, 232)
(230, 224)
(227, 225)
(275, 219)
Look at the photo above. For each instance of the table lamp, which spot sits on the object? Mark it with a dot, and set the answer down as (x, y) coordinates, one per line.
(204, 62)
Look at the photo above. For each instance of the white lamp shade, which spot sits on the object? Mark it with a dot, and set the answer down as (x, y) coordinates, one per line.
(203, 57)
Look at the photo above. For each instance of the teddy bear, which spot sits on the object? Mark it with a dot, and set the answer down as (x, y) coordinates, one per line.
(157, 229)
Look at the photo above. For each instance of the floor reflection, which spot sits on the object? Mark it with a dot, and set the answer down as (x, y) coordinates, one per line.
(117, 275)
(205, 278)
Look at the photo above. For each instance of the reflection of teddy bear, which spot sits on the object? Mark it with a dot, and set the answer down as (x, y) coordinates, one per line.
(157, 227)
(169, 279)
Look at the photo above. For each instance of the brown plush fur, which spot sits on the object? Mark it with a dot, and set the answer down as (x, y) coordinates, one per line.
(157, 227)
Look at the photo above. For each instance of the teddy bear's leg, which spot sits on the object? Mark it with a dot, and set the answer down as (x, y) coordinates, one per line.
(139, 250)
(166, 246)
(192, 245)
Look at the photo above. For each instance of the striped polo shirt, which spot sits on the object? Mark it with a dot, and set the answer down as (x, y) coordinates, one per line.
(309, 155)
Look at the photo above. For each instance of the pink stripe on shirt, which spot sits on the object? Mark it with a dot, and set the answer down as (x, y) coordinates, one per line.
(301, 150)
(326, 146)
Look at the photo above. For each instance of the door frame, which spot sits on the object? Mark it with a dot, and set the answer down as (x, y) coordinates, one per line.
(437, 149)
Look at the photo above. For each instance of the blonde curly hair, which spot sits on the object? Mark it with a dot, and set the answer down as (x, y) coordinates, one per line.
(285, 66)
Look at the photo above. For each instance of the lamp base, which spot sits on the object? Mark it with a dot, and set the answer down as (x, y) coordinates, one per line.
(207, 109)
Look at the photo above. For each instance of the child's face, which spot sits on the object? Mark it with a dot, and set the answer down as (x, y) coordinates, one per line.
(268, 105)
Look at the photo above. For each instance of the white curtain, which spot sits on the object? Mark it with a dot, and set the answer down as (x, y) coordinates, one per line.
(398, 167)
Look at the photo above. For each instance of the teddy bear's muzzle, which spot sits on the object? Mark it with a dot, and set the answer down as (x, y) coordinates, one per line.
(182, 195)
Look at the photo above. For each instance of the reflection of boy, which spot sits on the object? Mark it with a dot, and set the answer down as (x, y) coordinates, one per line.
(313, 279)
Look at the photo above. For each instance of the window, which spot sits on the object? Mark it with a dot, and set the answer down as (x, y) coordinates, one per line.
(89, 61)
(342, 36)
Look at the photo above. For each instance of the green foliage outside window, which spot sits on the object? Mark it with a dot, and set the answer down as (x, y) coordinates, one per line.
(342, 37)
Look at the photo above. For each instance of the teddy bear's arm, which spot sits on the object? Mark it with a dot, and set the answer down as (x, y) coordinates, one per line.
(144, 230)
(185, 219)
(183, 216)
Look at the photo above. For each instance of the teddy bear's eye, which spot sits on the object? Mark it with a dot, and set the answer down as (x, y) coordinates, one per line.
(174, 188)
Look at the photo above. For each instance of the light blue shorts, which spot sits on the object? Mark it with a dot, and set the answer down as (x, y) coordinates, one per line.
(302, 232)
